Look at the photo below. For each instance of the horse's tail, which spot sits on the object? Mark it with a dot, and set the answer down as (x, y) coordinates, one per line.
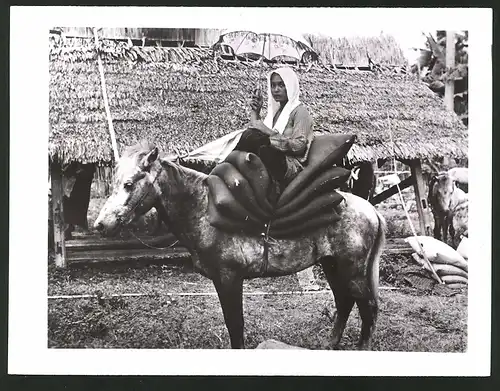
(374, 257)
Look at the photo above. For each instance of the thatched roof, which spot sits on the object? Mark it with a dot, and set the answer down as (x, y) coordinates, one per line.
(184, 98)
(355, 51)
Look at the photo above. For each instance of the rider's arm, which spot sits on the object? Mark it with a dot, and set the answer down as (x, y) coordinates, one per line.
(297, 135)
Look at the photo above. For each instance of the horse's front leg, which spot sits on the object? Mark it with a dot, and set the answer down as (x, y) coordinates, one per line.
(447, 227)
(437, 226)
(229, 287)
(451, 229)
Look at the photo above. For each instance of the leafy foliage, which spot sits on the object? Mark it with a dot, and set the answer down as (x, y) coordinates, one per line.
(438, 74)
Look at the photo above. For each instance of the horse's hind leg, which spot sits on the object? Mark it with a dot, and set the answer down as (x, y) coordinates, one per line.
(368, 310)
(343, 299)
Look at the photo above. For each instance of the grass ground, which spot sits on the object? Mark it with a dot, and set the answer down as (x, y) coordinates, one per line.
(406, 323)
(408, 320)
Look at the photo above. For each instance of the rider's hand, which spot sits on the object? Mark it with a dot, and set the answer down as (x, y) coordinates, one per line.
(259, 125)
(256, 100)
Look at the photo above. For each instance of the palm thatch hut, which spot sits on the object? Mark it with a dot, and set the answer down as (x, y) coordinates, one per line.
(182, 98)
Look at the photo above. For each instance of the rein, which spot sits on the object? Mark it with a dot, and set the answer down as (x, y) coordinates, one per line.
(152, 247)
(136, 206)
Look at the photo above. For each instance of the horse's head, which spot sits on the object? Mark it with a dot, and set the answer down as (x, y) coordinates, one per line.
(442, 191)
(134, 191)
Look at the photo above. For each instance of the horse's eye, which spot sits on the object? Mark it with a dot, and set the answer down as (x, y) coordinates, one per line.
(128, 185)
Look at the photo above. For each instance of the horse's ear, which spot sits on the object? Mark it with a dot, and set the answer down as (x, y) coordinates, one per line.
(149, 159)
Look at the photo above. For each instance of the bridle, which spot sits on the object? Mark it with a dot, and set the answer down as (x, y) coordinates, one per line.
(139, 202)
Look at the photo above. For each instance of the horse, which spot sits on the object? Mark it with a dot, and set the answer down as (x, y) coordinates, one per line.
(444, 196)
(349, 249)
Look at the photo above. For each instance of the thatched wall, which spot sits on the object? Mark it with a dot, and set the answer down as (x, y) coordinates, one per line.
(183, 98)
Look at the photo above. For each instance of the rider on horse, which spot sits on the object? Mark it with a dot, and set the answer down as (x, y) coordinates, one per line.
(283, 139)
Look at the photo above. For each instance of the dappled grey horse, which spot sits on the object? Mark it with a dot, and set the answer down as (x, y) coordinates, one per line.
(348, 249)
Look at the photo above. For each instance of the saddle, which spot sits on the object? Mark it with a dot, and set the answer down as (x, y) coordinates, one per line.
(239, 191)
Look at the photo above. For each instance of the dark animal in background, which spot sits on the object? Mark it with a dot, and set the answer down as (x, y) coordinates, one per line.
(362, 181)
(443, 198)
(77, 204)
(77, 181)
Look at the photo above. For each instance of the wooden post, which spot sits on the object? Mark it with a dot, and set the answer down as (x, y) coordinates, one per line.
(50, 218)
(378, 198)
(449, 88)
(420, 197)
(58, 214)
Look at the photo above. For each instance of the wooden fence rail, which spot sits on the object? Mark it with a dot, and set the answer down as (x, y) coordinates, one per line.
(94, 251)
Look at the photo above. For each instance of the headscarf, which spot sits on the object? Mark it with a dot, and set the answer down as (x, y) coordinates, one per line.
(292, 89)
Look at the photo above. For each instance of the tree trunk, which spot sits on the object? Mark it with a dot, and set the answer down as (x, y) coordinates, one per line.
(449, 89)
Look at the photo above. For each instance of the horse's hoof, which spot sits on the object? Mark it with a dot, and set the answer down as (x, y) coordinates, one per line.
(363, 346)
(335, 342)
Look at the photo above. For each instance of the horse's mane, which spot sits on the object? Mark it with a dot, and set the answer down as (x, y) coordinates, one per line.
(132, 153)
(140, 149)
(181, 165)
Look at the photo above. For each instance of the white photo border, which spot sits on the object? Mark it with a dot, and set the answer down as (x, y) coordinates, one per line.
(29, 79)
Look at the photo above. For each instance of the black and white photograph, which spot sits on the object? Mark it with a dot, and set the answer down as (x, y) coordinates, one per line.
(250, 191)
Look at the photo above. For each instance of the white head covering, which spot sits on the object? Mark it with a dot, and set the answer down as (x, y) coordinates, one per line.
(292, 89)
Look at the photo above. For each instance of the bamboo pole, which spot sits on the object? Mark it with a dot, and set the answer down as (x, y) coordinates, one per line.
(105, 97)
(449, 89)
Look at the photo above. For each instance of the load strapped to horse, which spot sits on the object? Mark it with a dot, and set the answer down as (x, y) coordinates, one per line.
(240, 197)
(235, 232)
